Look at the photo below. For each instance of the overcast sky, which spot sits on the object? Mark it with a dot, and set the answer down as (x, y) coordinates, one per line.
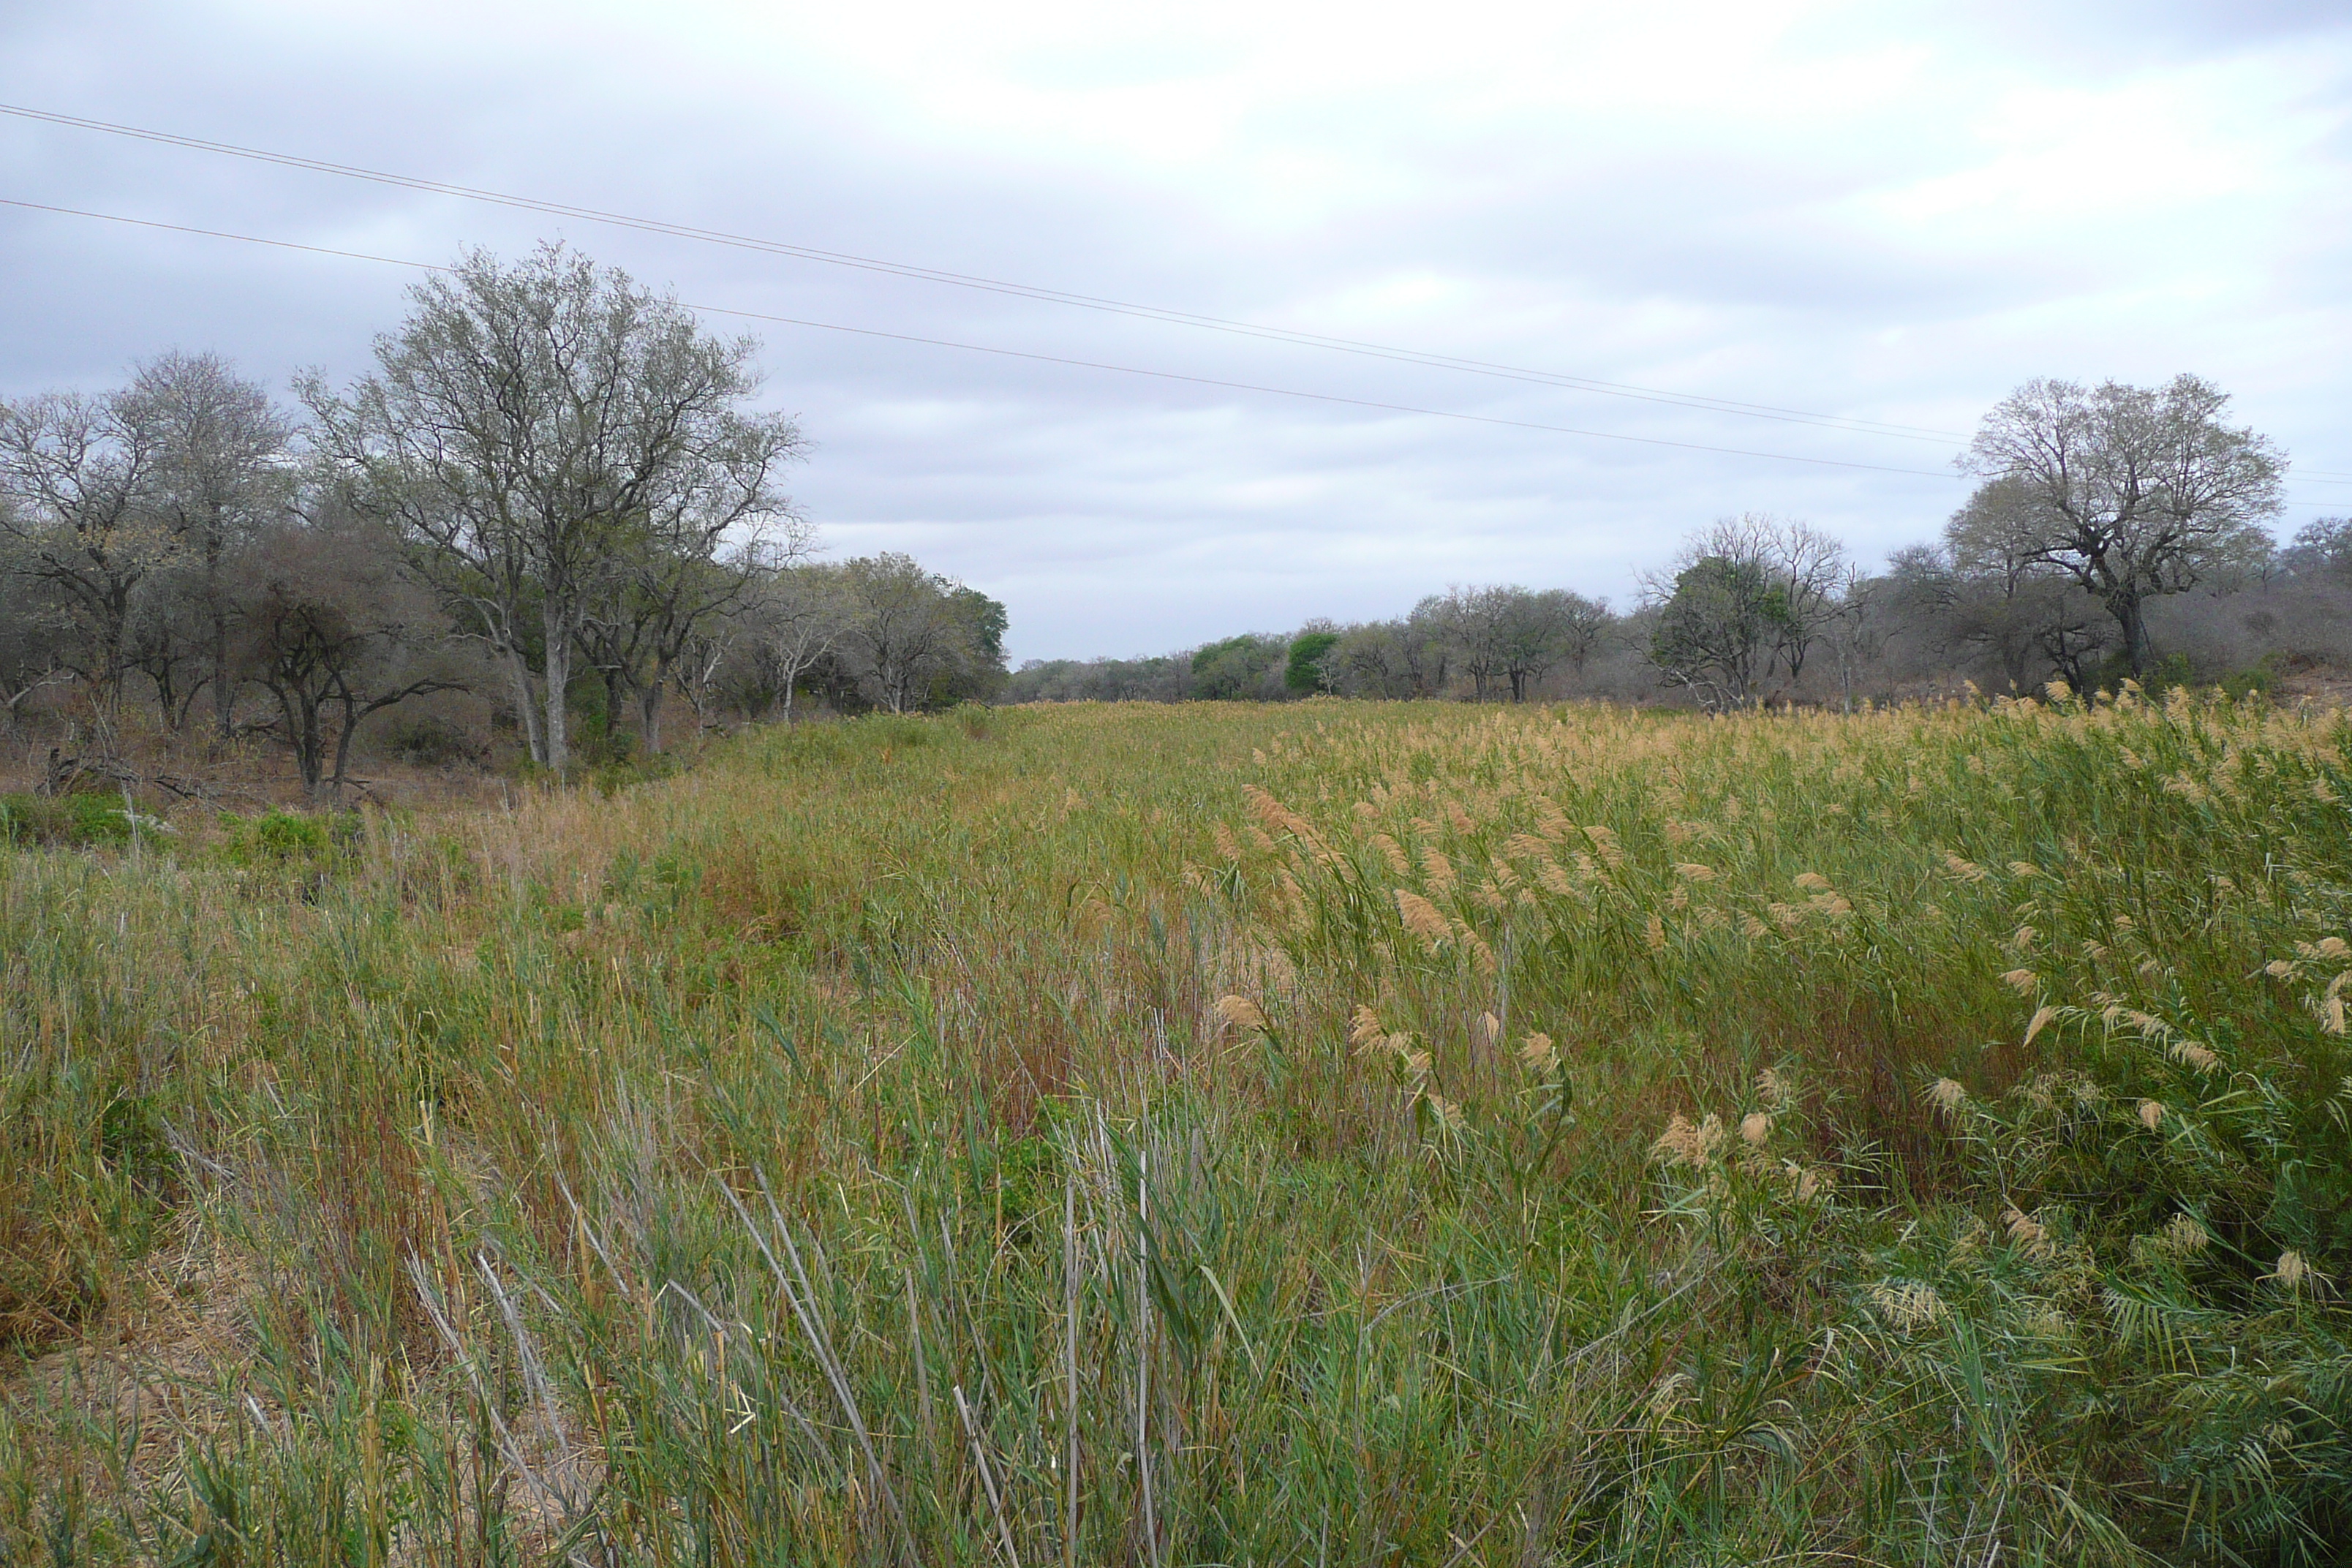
(1875, 212)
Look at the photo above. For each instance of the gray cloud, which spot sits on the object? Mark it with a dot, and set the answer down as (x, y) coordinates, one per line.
(1893, 213)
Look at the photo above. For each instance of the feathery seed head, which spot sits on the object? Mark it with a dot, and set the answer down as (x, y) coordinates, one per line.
(1907, 1306)
(2294, 1271)
(1947, 1095)
(2183, 1236)
(2028, 1232)
(2189, 1054)
(1241, 1014)
(1682, 1144)
(1421, 918)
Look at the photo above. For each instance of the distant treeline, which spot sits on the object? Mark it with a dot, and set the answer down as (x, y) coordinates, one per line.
(2117, 532)
(549, 511)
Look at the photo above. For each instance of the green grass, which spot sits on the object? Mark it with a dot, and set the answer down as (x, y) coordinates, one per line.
(1338, 1134)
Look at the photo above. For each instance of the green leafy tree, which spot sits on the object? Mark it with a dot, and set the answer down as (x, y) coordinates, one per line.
(1718, 629)
(1238, 668)
(1304, 671)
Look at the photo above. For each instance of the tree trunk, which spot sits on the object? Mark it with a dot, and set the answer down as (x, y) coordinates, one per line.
(650, 701)
(559, 678)
(526, 704)
(343, 743)
(2130, 615)
(223, 694)
(301, 714)
(166, 700)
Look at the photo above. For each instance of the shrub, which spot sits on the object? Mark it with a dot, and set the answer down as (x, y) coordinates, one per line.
(70, 821)
(284, 838)
(428, 741)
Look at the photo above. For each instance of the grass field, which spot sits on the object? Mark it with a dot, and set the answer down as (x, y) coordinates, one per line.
(1333, 1133)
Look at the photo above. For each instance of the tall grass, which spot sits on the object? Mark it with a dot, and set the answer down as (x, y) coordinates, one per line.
(1340, 1133)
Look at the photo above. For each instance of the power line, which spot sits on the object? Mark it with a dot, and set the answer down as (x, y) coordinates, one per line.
(1026, 354)
(1000, 286)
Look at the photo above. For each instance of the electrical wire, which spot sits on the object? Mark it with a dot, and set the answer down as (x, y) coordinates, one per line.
(1040, 358)
(1000, 286)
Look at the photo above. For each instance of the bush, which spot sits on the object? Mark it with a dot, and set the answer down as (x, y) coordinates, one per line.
(2254, 682)
(609, 778)
(598, 742)
(287, 839)
(74, 821)
(429, 742)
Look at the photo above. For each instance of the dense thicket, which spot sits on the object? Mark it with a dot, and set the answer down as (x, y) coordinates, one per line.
(552, 495)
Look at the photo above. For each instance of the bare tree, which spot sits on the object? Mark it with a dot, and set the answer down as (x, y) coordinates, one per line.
(1471, 623)
(1814, 575)
(904, 628)
(2322, 553)
(80, 523)
(222, 472)
(332, 627)
(164, 640)
(528, 427)
(2009, 600)
(29, 656)
(1386, 658)
(1807, 566)
(1530, 634)
(797, 617)
(1858, 627)
(2133, 491)
(1585, 626)
(673, 586)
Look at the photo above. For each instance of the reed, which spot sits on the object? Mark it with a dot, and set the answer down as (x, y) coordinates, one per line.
(1341, 1132)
